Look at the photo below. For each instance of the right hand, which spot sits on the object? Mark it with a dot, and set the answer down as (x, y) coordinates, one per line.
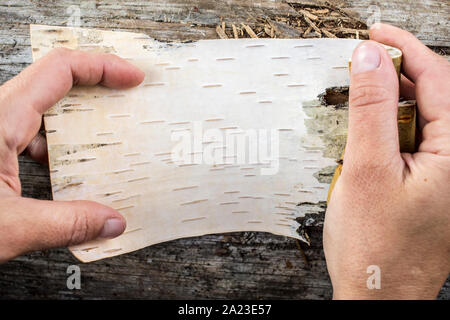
(388, 209)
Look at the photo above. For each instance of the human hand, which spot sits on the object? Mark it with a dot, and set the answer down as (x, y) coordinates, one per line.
(389, 209)
(28, 224)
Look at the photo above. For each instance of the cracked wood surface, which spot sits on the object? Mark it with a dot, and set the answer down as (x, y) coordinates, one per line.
(239, 265)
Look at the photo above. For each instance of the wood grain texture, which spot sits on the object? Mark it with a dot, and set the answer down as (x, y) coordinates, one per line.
(243, 265)
(428, 20)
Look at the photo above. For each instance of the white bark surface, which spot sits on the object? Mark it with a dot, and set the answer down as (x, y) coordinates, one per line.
(118, 147)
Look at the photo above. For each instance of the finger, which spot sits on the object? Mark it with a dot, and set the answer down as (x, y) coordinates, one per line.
(436, 137)
(373, 101)
(438, 145)
(37, 149)
(71, 68)
(429, 71)
(38, 224)
(26, 97)
(407, 88)
(417, 58)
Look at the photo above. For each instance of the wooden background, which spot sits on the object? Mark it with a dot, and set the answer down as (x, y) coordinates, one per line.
(241, 265)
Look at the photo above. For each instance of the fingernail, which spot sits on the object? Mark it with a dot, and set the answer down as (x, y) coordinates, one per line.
(366, 57)
(112, 228)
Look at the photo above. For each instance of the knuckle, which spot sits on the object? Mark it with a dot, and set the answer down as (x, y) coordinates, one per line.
(436, 128)
(59, 55)
(364, 170)
(79, 231)
(369, 96)
(370, 171)
(436, 145)
(9, 140)
(60, 52)
(33, 146)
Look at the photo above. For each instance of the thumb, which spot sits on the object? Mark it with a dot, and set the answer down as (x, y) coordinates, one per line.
(373, 101)
(38, 224)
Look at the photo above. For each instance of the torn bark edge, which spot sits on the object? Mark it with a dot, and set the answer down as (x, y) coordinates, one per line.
(310, 220)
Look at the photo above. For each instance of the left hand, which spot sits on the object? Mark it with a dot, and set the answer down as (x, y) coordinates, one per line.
(28, 224)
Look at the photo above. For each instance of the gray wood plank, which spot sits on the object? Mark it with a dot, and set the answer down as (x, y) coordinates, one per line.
(428, 20)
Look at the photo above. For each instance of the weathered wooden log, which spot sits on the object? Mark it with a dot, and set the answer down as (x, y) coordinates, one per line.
(238, 265)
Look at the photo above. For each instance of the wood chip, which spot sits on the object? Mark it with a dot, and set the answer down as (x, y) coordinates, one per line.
(309, 15)
(285, 31)
(250, 31)
(313, 35)
(307, 31)
(328, 34)
(334, 19)
(268, 30)
(304, 2)
(312, 25)
(352, 31)
(235, 32)
(221, 33)
(320, 11)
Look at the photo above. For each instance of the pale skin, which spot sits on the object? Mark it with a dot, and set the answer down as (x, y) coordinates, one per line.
(387, 209)
(28, 224)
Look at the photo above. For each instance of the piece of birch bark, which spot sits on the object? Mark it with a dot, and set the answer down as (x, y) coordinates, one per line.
(168, 154)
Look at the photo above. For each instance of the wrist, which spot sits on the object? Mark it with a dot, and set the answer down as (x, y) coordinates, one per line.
(402, 282)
